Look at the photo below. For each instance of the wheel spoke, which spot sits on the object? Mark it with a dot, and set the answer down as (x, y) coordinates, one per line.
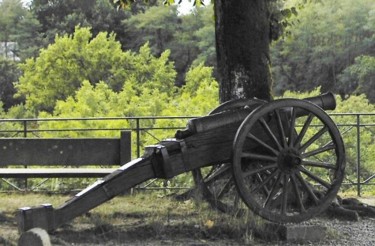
(285, 194)
(259, 178)
(325, 165)
(261, 143)
(274, 190)
(298, 194)
(329, 143)
(266, 180)
(313, 138)
(291, 128)
(259, 170)
(281, 128)
(225, 188)
(307, 188)
(318, 151)
(304, 129)
(314, 177)
(217, 174)
(258, 157)
(269, 132)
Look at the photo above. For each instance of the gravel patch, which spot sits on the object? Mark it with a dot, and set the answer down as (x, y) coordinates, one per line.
(359, 233)
(353, 233)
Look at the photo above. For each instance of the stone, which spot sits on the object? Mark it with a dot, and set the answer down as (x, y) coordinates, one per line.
(298, 232)
(34, 237)
(293, 232)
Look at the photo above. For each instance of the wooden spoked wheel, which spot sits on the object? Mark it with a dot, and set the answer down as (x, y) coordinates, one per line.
(218, 188)
(288, 160)
(216, 182)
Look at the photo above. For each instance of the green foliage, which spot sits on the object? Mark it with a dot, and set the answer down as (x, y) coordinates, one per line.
(204, 35)
(140, 84)
(366, 133)
(359, 78)
(18, 25)
(126, 4)
(133, 100)
(151, 72)
(198, 97)
(325, 38)
(60, 69)
(12, 13)
(29, 37)
(62, 16)
(200, 94)
(189, 37)
(8, 75)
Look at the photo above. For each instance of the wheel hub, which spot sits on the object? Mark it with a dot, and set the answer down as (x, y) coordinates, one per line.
(289, 159)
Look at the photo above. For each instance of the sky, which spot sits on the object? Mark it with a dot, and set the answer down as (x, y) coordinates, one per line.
(186, 6)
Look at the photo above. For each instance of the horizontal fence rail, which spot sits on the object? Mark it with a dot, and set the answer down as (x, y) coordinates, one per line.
(357, 129)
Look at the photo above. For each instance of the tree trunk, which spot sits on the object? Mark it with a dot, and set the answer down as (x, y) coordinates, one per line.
(242, 46)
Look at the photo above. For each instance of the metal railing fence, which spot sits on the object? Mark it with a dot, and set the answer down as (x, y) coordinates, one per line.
(357, 129)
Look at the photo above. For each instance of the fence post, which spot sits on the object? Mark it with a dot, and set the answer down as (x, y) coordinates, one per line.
(138, 138)
(24, 128)
(358, 156)
(25, 136)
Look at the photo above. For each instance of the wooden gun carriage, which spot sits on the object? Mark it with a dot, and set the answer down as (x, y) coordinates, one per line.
(286, 159)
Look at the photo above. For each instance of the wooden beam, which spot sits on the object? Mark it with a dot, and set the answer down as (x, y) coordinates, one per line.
(65, 151)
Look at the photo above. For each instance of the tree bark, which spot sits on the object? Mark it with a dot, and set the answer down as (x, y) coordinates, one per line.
(242, 45)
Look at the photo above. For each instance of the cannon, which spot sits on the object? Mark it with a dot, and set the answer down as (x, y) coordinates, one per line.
(285, 158)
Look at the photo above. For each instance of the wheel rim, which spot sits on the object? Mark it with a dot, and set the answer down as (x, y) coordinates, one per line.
(288, 160)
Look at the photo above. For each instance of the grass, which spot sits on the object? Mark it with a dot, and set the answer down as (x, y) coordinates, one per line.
(366, 192)
(144, 217)
(9, 203)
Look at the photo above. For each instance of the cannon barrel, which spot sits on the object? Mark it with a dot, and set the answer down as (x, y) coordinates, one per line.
(325, 101)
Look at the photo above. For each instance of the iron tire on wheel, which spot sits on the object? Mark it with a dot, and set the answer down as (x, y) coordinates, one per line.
(288, 160)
